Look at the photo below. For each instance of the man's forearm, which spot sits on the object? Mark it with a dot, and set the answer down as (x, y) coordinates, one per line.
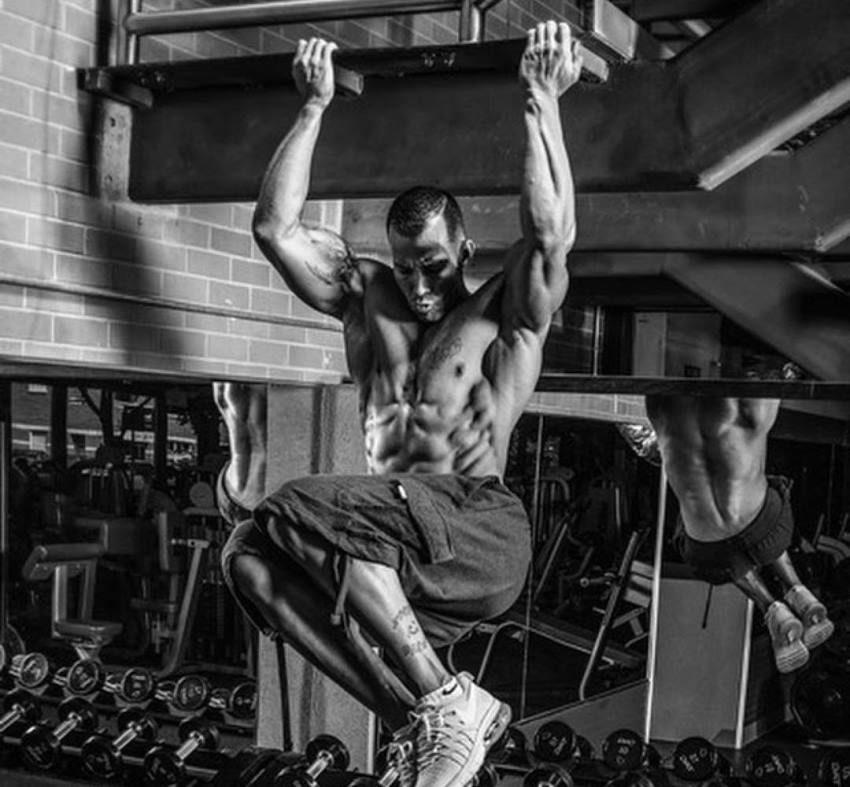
(548, 200)
(287, 180)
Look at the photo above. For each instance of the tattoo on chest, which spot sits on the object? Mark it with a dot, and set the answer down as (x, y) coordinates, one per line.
(441, 352)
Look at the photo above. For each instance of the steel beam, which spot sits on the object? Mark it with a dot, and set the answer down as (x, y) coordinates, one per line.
(789, 306)
(663, 10)
(692, 122)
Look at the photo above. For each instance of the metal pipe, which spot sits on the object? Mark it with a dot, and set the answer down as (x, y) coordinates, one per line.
(276, 13)
(131, 40)
(470, 24)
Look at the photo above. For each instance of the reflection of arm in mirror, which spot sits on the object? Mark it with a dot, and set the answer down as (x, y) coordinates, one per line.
(315, 263)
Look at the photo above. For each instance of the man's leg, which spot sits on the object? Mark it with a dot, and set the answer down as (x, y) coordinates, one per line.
(818, 628)
(292, 605)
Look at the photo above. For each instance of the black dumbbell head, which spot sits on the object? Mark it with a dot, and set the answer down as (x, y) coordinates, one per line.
(147, 727)
(511, 747)
(162, 768)
(487, 776)
(548, 775)
(651, 777)
(196, 726)
(33, 670)
(137, 685)
(333, 746)
(39, 747)
(85, 677)
(770, 766)
(695, 759)
(834, 768)
(623, 750)
(555, 741)
(243, 700)
(191, 693)
(100, 759)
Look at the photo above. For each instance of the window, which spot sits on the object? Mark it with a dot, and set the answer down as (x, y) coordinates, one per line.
(36, 388)
(38, 440)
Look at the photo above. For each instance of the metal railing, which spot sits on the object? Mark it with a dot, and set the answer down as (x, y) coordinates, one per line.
(137, 23)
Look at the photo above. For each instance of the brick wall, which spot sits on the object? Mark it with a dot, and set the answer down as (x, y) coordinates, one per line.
(110, 283)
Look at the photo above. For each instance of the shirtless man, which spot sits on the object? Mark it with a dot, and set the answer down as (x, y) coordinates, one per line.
(737, 520)
(431, 542)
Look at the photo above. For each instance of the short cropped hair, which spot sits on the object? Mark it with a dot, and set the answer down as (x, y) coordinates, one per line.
(413, 209)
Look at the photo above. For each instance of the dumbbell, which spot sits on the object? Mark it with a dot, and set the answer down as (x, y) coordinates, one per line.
(820, 702)
(240, 702)
(834, 768)
(42, 745)
(188, 695)
(487, 776)
(556, 741)
(549, 774)
(697, 760)
(625, 750)
(770, 766)
(511, 748)
(84, 678)
(32, 671)
(165, 767)
(322, 752)
(103, 758)
(136, 686)
(18, 705)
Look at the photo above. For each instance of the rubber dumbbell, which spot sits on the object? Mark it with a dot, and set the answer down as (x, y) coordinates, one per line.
(41, 745)
(511, 748)
(166, 767)
(18, 705)
(136, 686)
(322, 752)
(549, 774)
(238, 703)
(649, 777)
(770, 766)
(625, 750)
(556, 741)
(834, 768)
(84, 678)
(103, 757)
(32, 671)
(187, 696)
(696, 760)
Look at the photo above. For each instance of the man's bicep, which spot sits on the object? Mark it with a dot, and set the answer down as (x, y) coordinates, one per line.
(315, 263)
(536, 284)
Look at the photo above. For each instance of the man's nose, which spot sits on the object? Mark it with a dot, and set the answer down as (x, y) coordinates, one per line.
(420, 284)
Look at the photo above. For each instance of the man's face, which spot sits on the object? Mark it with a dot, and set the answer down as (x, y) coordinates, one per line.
(427, 269)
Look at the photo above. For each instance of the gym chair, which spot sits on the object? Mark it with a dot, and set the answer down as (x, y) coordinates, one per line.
(61, 563)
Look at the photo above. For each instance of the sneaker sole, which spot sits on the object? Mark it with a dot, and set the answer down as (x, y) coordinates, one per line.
(791, 657)
(492, 732)
(817, 634)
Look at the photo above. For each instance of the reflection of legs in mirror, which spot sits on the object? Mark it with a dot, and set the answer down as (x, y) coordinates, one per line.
(818, 628)
(786, 630)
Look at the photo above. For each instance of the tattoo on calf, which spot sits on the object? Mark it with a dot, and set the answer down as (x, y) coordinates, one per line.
(414, 648)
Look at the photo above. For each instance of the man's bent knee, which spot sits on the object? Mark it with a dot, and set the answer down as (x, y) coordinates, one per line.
(252, 576)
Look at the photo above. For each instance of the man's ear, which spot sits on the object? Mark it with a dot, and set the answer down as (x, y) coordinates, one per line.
(467, 251)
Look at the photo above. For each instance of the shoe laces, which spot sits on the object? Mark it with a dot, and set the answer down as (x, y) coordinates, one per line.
(433, 735)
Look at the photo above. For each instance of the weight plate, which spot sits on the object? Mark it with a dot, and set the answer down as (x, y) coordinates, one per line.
(555, 741)
(34, 670)
(85, 677)
(191, 693)
(695, 759)
(137, 685)
(243, 700)
(623, 750)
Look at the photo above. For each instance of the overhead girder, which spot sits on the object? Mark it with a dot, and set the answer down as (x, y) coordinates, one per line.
(790, 202)
(693, 122)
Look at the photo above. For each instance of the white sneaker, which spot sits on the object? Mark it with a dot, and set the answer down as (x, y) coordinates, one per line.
(817, 627)
(450, 732)
(786, 638)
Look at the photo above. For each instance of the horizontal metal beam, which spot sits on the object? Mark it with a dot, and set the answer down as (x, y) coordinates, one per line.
(788, 306)
(693, 122)
(275, 13)
(662, 10)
